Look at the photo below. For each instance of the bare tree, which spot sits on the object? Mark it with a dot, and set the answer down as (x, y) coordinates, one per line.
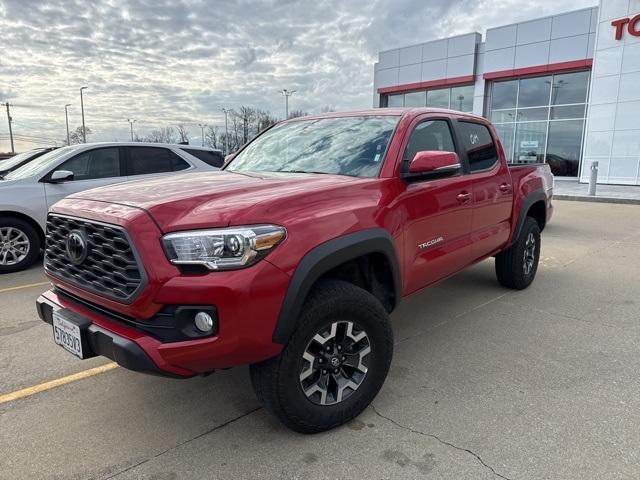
(327, 109)
(182, 132)
(75, 137)
(212, 137)
(162, 135)
(298, 113)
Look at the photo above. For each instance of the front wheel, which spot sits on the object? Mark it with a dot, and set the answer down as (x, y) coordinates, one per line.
(19, 245)
(334, 364)
(516, 267)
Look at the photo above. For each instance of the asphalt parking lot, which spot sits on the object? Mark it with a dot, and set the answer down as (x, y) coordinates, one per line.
(485, 383)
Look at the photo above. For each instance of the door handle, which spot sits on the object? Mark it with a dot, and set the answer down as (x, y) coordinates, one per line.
(505, 188)
(464, 197)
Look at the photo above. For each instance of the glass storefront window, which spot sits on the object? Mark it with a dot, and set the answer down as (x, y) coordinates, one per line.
(564, 147)
(541, 119)
(531, 139)
(532, 114)
(534, 92)
(415, 99)
(570, 88)
(455, 98)
(462, 98)
(504, 95)
(505, 132)
(438, 98)
(395, 100)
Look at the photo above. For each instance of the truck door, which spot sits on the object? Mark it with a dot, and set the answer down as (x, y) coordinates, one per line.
(438, 211)
(492, 189)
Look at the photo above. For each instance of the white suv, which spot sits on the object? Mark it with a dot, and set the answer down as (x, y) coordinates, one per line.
(27, 193)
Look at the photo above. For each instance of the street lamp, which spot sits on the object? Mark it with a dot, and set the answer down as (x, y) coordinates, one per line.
(84, 130)
(287, 94)
(226, 131)
(202, 125)
(131, 122)
(66, 117)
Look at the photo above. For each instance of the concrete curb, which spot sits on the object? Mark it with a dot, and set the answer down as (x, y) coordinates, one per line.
(596, 199)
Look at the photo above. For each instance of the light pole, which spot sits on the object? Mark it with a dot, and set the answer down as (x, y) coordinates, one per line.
(202, 125)
(226, 132)
(66, 117)
(9, 119)
(287, 94)
(84, 130)
(131, 122)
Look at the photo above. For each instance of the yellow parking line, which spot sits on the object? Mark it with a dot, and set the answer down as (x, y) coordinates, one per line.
(20, 287)
(58, 382)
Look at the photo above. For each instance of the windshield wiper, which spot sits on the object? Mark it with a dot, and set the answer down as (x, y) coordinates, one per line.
(305, 171)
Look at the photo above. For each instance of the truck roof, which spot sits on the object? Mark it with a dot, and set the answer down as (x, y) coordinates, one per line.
(392, 111)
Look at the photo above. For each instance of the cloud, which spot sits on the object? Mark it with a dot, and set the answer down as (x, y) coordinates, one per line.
(166, 61)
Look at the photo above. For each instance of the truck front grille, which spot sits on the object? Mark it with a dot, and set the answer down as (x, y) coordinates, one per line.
(98, 257)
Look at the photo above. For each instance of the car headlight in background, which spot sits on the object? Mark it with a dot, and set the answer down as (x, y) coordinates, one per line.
(223, 249)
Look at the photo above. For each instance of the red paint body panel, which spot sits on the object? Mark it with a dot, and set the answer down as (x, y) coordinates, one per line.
(466, 218)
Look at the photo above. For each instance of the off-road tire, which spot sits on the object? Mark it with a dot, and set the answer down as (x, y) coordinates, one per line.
(511, 264)
(277, 381)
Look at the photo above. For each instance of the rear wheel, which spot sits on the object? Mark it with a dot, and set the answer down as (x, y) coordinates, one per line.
(334, 364)
(516, 267)
(19, 245)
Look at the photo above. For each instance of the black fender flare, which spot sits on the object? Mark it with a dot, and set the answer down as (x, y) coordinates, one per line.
(531, 198)
(325, 257)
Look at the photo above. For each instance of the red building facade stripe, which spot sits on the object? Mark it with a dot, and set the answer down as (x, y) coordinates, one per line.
(445, 82)
(549, 68)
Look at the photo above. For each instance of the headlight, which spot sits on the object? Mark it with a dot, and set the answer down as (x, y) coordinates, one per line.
(224, 248)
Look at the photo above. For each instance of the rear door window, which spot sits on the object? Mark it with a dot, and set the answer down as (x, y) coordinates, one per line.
(479, 146)
(149, 160)
(99, 163)
(215, 159)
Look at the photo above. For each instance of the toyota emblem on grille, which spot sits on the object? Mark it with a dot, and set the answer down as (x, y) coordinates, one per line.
(77, 247)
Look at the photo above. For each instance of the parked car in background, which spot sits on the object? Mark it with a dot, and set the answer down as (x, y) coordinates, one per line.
(292, 257)
(27, 192)
(15, 162)
(210, 156)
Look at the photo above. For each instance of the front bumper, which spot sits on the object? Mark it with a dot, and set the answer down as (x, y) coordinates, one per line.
(121, 350)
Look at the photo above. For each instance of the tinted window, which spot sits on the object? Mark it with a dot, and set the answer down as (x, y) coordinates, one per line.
(215, 159)
(395, 100)
(147, 160)
(429, 135)
(478, 144)
(415, 99)
(100, 163)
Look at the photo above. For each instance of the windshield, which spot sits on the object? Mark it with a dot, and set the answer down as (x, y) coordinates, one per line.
(34, 167)
(353, 146)
(17, 159)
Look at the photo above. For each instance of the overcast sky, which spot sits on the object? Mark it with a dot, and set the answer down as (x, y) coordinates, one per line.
(167, 61)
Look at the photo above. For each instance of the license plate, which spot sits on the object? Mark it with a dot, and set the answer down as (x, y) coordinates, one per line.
(67, 334)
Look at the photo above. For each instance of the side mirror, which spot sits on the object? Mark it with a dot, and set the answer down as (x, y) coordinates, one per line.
(59, 176)
(434, 163)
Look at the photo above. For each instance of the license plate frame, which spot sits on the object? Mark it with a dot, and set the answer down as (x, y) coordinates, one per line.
(69, 334)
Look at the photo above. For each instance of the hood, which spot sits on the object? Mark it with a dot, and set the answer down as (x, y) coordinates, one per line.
(218, 198)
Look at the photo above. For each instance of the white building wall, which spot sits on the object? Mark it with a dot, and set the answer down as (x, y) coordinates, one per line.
(612, 135)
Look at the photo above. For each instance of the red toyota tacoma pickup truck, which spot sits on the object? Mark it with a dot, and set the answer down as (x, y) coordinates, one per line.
(293, 256)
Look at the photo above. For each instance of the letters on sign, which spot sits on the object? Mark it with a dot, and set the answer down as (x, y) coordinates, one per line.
(632, 24)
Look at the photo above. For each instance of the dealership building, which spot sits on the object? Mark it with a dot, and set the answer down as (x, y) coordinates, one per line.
(563, 89)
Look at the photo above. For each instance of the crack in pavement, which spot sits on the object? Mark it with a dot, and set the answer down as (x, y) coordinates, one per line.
(211, 430)
(438, 439)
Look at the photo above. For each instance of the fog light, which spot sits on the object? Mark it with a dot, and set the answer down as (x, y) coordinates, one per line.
(203, 321)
